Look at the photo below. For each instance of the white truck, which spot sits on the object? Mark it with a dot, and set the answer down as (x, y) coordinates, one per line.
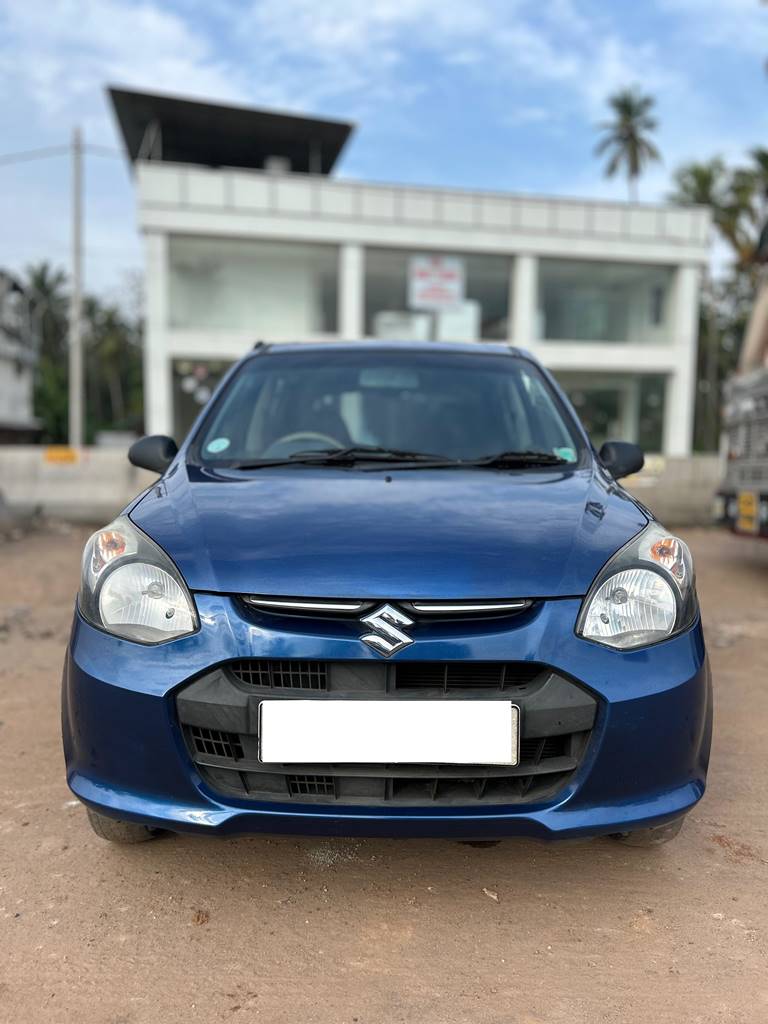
(742, 501)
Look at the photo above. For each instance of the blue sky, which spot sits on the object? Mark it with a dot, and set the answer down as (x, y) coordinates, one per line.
(499, 94)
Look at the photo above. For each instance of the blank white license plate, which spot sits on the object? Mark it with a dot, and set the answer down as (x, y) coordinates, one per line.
(389, 732)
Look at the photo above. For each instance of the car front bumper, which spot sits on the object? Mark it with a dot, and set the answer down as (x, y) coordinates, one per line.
(646, 761)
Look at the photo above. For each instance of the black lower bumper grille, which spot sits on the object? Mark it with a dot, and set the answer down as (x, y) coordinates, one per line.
(281, 675)
(215, 743)
(311, 785)
(463, 675)
(219, 716)
(266, 673)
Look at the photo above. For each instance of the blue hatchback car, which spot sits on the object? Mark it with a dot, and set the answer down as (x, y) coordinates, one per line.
(387, 590)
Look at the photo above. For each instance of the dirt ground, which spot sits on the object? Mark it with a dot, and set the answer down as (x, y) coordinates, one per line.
(378, 932)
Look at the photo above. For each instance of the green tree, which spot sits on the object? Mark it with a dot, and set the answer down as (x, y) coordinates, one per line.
(736, 197)
(112, 357)
(703, 184)
(626, 137)
(46, 288)
(112, 369)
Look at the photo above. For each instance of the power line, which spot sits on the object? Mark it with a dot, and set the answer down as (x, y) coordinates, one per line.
(40, 154)
(92, 147)
(33, 154)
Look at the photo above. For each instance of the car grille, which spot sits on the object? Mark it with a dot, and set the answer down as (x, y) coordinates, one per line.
(311, 785)
(445, 676)
(462, 675)
(215, 743)
(428, 787)
(218, 713)
(282, 675)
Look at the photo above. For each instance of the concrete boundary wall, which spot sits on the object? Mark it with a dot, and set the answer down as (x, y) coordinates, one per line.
(90, 487)
(95, 485)
(679, 491)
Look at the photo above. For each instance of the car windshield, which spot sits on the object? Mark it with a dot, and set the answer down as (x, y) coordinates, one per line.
(457, 406)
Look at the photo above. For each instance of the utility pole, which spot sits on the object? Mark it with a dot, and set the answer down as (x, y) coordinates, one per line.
(76, 299)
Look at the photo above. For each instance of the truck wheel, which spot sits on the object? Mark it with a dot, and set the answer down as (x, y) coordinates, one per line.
(656, 836)
(119, 831)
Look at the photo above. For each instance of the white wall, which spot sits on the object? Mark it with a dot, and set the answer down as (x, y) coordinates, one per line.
(93, 489)
(232, 284)
(16, 384)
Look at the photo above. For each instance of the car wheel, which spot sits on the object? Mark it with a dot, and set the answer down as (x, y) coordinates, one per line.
(655, 836)
(119, 831)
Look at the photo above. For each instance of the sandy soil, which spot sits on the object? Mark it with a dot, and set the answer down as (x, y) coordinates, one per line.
(375, 932)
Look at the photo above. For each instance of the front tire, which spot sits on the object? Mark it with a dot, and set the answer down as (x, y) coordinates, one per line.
(655, 836)
(115, 831)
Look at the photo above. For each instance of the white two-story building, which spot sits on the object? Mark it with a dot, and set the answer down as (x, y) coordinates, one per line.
(249, 237)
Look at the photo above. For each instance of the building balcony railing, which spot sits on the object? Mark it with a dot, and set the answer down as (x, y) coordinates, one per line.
(163, 186)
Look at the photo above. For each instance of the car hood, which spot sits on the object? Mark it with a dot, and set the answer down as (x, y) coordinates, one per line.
(304, 531)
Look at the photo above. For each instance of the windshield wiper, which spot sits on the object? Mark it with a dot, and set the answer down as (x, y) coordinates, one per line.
(522, 458)
(405, 459)
(347, 456)
(499, 460)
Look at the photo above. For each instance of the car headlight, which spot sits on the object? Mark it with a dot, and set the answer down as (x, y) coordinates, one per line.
(132, 589)
(644, 594)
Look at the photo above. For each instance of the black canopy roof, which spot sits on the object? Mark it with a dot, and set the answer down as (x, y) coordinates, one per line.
(214, 135)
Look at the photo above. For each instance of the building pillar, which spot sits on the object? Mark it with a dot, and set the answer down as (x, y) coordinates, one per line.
(630, 413)
(523, 299)
(351, 291)
(158, 395)
(680, 395)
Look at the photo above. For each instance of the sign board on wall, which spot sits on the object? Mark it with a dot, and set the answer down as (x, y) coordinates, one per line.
(435, 282)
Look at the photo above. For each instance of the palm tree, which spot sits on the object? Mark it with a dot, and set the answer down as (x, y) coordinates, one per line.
(702, 184)
(708, 183)
(732, 195)
(627, 140)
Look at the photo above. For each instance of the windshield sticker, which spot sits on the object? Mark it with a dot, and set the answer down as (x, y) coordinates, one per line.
(218, 444)
(569, 454)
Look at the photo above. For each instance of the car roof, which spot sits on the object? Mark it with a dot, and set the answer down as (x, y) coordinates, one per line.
(473, 347)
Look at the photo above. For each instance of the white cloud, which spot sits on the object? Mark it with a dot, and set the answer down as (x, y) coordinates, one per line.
(348, 54)
(739, 26)
(62, 53)
(341, 46)
(530, 115)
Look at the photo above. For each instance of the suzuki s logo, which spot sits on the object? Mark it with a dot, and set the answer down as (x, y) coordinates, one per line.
(386, 638)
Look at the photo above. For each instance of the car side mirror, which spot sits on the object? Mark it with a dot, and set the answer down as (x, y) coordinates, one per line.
(155, 453)
(621, 458)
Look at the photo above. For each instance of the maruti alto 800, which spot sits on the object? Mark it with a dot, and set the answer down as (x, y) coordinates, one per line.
(387, 590)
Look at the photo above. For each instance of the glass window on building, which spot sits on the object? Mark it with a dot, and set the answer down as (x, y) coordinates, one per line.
(614, 302)
(482, 311)
(270, 289)
(619, 407)
(194, 381)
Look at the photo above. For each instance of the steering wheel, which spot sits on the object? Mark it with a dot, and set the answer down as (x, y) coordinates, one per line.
(295, 443)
